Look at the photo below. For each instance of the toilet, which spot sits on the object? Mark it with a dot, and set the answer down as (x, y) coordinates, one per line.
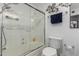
(54, 47)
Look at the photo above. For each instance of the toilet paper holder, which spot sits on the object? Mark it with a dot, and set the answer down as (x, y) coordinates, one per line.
(69, 46)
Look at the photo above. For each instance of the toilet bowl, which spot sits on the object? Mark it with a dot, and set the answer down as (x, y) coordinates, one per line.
(54, 47)
(48, 51)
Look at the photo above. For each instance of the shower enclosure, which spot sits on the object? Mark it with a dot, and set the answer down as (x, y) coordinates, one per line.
(22, 29)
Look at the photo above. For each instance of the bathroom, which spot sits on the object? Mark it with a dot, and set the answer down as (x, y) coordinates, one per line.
(21, 33)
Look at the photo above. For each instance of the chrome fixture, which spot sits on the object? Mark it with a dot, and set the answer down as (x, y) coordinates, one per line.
(6, 6)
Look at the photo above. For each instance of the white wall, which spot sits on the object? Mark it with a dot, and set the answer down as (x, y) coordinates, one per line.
(74, 5)
(70, 36)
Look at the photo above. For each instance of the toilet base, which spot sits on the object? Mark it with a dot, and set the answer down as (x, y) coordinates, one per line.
(49, 51)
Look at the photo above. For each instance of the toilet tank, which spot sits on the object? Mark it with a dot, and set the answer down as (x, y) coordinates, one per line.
(55, 42)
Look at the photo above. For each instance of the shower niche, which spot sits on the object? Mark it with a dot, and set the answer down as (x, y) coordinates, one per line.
(74, 22)
(74, 17)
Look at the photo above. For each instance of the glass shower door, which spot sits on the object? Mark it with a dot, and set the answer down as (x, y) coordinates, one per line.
(37, 29)
(16, 22)
(23, 29)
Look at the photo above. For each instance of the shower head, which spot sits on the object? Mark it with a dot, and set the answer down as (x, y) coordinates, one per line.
(6, 5)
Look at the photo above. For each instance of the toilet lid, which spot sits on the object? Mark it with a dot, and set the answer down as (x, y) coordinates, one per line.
(48, 51)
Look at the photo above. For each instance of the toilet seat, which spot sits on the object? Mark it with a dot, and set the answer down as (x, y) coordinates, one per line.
(48, 51)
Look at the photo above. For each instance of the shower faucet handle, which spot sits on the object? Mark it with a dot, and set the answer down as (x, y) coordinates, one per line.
(73, 47)
(4, 48)
(23, 41)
